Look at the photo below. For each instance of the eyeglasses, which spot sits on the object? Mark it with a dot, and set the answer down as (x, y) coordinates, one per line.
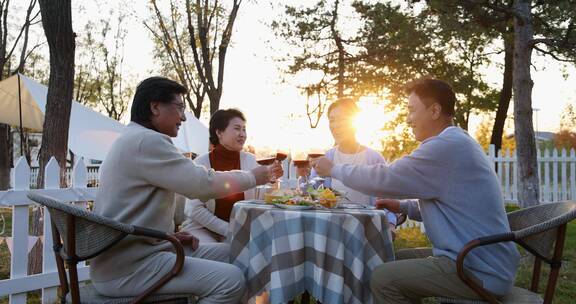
(180, 106)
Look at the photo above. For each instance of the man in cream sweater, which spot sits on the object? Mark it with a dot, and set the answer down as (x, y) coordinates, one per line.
(459, 199)
(138, 179)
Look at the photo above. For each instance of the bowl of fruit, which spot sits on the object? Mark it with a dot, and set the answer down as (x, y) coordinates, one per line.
(326, 197)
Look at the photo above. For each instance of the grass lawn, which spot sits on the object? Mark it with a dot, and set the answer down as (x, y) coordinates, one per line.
(406, 238)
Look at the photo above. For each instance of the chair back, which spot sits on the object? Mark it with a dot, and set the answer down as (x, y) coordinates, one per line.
(83, 234)
(542, 231)
(536, 228)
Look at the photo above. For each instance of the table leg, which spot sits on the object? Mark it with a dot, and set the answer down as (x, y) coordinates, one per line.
(305, 298)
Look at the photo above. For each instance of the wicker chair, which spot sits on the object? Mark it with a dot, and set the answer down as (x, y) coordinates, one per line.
(79, 235)
(541, 230)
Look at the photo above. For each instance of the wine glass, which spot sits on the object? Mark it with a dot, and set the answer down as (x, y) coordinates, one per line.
(315, 152)
(281, 156)
(266, 156)
(302, 165)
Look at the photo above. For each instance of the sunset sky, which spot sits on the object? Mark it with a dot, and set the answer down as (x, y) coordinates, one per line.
(275, 110)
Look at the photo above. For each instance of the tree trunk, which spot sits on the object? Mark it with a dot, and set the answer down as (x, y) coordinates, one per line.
(205, 66)
(5, 152)
(57, 24)
(214, 97)
(340, 48)
(528, 186)
(505, 95)
(27, 148)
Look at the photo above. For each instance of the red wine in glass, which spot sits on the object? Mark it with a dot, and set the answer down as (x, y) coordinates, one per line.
(301, 163)
(314, 155)
(266, 161)
(281, 156)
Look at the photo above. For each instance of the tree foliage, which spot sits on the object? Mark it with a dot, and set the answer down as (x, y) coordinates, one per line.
(15, 52)
(399, 142)
(100, 81)
(10, 39)
(484, 130)
(194, 46)
(568, 118)
(400, 45)
(171, 46)
(392, 46)
(552, 23)
(565, 139)
(547, 27)
(318, 35)
(566, 136)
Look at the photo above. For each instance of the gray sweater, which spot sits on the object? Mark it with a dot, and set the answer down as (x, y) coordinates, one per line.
(459, 199)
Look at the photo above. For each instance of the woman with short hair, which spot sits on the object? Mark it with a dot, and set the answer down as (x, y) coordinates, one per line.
(209, 221)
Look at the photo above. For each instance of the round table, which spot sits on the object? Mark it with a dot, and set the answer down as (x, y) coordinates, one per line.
(330, 253)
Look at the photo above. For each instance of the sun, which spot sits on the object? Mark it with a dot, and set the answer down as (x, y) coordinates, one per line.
(369, 122)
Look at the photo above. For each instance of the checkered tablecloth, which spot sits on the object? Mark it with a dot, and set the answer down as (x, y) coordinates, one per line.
(329, 253)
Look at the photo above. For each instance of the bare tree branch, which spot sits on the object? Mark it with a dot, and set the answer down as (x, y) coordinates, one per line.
(553, 55)
(26, 26)
(193, 44)
(226, 36)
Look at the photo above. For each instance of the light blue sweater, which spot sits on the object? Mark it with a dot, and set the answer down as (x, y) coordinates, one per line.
(373, 157)
(459, 200)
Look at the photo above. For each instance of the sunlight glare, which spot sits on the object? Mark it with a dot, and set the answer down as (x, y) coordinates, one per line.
(369, 122)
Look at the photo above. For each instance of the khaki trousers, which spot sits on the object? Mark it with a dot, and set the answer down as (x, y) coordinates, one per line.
(206, 274)
(409, 281)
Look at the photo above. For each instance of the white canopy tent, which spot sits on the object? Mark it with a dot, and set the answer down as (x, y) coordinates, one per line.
(192, 136)
(91, 134)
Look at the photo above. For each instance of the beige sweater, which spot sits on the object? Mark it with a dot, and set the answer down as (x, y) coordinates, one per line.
(200, 215)
(138, 179)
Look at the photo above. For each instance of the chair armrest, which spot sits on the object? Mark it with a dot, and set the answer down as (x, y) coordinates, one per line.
(141, 231)
(482, 241)
(153, 233)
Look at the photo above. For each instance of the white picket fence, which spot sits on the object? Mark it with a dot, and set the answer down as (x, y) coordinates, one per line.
(91, 177)
(556, 172)
(19, 283)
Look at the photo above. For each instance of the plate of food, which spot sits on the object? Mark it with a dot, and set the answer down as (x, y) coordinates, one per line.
(326, 197)
(279, 194)
(294, 202)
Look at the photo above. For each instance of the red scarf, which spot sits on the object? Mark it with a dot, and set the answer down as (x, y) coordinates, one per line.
(222, 159)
